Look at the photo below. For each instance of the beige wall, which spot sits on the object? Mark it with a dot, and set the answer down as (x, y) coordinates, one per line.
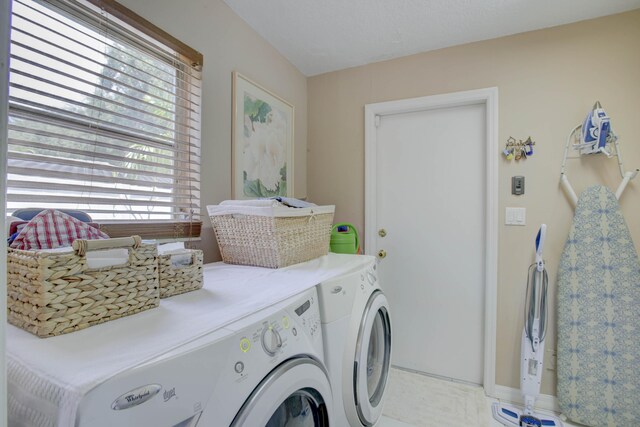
(228, 44)
(547, 82)
(546, 88)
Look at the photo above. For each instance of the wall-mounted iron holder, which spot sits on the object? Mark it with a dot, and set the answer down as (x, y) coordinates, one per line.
(518, 149)
(611, 150)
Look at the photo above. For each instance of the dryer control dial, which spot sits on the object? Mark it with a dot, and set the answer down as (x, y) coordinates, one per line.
(271, 340)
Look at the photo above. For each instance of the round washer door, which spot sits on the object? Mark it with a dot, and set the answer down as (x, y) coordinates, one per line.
(296, 393)
(373, 359)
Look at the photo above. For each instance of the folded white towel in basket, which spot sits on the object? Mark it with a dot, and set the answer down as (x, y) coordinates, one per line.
(260, 207)
(264, 207)
(260, 203)
(274, 201)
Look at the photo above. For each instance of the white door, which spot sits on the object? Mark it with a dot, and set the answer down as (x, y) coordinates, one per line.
(430, 201)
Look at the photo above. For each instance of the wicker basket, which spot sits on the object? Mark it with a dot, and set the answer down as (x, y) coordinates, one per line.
(53, 293)
(178, 279)
(287, 236)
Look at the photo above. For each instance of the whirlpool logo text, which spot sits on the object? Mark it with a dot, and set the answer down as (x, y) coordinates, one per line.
(168, 394)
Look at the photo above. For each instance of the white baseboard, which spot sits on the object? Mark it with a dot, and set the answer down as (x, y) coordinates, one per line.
(513, 395)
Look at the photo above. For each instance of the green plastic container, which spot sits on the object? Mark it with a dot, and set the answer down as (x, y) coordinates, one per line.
(344, 239)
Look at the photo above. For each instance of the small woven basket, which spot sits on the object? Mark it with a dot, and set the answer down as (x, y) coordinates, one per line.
(273, 241)
(54, 293)
(178, 279)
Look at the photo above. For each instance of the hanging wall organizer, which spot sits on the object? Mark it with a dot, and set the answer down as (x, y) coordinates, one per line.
(518, 149)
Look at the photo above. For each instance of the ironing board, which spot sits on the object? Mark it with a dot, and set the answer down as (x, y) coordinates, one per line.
(598, 316)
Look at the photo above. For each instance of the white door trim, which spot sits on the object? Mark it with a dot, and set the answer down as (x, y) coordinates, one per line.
(5, 18)
(488, 97)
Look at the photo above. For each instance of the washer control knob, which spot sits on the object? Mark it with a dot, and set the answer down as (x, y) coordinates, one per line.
(271, 340)
(239, 367)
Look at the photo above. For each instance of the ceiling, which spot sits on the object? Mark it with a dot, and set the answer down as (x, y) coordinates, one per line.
(319, 36)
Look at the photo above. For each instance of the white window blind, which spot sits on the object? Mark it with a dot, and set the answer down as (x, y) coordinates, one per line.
(102, 117)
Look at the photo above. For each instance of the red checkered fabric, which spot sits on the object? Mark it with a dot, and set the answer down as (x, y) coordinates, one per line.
(53, 229)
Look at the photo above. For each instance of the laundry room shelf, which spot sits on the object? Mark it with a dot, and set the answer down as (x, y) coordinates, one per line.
(49, 390)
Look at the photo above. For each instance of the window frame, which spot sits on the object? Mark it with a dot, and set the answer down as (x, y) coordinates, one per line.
(172, 229)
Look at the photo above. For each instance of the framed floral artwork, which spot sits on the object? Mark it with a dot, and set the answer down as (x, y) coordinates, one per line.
(262, 142)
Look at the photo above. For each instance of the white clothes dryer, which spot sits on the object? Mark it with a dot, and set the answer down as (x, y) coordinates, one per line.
(264, 370)
(356, 327)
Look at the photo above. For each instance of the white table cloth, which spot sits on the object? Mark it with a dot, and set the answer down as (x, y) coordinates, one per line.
(47, 378)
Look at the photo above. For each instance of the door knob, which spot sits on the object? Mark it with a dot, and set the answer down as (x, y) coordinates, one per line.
(382, 232)
(382, 253)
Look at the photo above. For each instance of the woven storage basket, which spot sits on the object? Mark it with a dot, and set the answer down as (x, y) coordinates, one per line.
(280, 237)
(178, 279)
(53, 293)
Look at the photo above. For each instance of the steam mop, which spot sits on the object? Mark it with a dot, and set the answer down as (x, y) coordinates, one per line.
(532, 348)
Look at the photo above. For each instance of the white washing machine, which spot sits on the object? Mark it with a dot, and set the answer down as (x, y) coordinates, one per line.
(264, 370)
(357, 337)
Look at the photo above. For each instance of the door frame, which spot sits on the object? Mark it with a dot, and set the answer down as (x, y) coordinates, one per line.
(489, 98)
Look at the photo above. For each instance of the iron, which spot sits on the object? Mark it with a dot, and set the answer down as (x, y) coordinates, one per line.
(596, 132)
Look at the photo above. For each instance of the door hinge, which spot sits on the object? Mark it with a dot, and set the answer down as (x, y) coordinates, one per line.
(377, 120)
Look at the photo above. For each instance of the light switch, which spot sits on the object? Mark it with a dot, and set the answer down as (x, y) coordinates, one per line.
(515, 216)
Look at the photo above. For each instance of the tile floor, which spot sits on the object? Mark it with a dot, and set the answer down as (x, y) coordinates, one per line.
(415, 400)
(390, 422)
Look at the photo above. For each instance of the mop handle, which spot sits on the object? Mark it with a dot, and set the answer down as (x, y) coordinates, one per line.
(539, 245)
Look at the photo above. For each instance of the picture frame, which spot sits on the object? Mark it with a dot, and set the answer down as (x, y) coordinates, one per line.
(262, 141)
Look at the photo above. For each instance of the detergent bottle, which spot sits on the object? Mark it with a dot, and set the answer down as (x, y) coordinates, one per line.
(344, 239)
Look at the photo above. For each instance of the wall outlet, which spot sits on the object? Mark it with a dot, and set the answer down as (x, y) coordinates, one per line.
(550, 359)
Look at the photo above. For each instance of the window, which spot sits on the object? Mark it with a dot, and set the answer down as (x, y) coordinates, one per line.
(103, 117)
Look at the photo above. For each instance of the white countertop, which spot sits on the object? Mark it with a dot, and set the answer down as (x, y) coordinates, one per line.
(47, 377)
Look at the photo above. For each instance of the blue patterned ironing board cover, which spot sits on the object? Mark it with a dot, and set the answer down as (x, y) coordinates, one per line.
(599, 316)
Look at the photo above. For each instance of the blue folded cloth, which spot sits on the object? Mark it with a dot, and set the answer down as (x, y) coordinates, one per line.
(11, 238)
